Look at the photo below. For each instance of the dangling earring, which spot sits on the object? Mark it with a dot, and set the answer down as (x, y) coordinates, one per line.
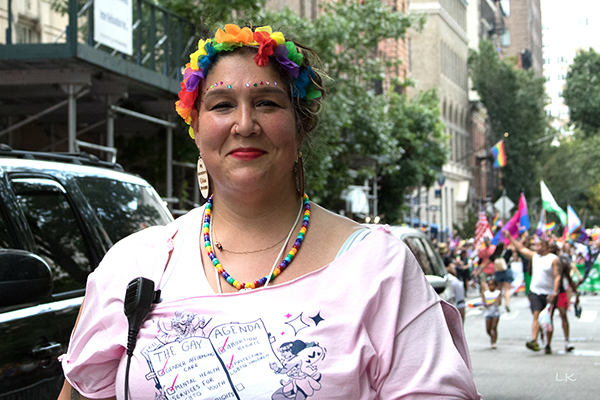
(202, 178)
(299, 174)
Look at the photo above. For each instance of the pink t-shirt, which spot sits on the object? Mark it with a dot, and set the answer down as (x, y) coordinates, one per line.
(366, 326)
(484, 256)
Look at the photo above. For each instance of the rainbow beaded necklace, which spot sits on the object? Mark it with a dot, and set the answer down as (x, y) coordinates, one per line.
(260, 282)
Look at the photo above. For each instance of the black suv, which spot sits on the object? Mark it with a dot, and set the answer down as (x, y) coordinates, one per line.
(59, 214)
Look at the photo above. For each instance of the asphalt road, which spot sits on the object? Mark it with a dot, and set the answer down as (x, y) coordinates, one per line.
(513, 372)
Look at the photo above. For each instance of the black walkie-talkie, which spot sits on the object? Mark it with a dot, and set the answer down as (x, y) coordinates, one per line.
(139, 297)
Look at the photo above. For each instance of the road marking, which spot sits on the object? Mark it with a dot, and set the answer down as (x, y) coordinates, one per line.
(588, 316)
(586, 353)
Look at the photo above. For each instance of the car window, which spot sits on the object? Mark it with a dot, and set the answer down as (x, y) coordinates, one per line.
(416, 246)
(6, 240)
(435, 259)
(122, 207)
(58, 236)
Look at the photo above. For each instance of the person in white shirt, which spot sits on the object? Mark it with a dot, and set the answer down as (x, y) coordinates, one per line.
(492, 298)
(544, 265)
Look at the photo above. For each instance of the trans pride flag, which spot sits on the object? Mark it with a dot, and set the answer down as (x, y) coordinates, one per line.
(499, 154)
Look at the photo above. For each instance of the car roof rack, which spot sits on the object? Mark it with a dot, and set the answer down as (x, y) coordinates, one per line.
(82, 158)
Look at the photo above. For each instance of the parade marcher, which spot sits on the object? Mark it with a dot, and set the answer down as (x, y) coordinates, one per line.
(593, 250)
(463, 267)
(459, 290)
(243, 311)
(543, 266)
(516, 265)
(562, 283)
(485, 268)
(503, 275)
(492, 298)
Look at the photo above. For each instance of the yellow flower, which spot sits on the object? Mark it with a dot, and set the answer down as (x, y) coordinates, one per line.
(198, 53)
(277, 36)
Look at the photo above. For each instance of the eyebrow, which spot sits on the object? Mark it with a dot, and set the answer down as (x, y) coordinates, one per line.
(264, 89)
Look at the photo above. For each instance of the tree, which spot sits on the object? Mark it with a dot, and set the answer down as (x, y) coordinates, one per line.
(404, 136)
(572, 172)
(582, 92)
(514, 99)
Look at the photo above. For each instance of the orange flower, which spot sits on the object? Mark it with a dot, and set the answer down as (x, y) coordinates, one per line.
(234, 34)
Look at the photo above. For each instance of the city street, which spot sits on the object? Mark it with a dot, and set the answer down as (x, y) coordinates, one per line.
(514, 372)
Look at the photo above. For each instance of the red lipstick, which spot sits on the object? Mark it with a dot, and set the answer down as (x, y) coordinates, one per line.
(247, 153)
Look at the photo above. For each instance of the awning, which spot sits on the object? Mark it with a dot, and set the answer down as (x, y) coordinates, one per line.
(463, 192)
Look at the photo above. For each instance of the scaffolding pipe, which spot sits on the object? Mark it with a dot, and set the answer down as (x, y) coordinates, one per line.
(143, 116)
(110, 150)
(72, 101)
(110, 129)
(169, 162)
(40, 114)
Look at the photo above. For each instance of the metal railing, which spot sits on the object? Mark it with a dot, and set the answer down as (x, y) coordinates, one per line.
(161, 39)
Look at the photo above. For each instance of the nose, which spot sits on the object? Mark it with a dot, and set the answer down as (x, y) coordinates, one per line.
(246, 123)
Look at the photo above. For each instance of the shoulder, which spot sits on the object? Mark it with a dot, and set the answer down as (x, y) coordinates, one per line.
(138, 253)
(327, 233)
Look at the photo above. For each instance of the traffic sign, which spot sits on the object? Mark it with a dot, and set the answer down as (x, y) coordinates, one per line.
(504, 205)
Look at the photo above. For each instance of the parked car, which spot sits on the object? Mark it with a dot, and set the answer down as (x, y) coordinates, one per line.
(59, 214)
(428, 258)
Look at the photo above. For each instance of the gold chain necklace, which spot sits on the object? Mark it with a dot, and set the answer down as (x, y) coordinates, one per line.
(220, 247)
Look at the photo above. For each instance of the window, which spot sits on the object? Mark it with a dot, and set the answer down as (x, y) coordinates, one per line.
(6, 240)
(428, 259)
(27, 29)
(505, 38)
(123, 208)
(56, 231)
(416, 247)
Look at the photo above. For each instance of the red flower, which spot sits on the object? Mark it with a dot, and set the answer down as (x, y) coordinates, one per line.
(265, 49)
(186, 102)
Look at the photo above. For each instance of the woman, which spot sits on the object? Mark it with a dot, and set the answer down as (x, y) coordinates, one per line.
(503, 276)
(544, 266)
(369, 324)
(564, 287)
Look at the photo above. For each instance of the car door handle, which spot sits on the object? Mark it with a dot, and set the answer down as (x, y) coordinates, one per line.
(46, 350)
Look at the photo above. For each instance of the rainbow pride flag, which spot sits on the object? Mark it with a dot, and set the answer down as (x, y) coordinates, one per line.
(550, 226)
(499, 154)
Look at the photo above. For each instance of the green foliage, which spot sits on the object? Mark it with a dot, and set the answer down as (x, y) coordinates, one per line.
(582, 92)
(404, 136)
(572, 172)
(418, 130)
(468, 228)
(514, 99)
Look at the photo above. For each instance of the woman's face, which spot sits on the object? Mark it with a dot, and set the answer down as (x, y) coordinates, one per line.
(245, 129)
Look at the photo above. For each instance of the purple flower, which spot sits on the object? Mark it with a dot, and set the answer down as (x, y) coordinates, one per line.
(195, 77)
(281, 54)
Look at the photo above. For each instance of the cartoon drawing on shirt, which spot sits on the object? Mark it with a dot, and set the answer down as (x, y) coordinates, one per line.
(233, 361)
(298, 360)
(183, 324)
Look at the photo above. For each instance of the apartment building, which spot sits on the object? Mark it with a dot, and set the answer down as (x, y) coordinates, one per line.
(522, 36)
(439, 59)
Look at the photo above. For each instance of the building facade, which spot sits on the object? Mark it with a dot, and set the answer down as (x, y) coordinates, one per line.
(522, 36)
(439, 59)
(485, 21)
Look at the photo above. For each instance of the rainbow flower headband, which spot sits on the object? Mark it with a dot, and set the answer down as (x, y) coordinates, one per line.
(269, 43)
